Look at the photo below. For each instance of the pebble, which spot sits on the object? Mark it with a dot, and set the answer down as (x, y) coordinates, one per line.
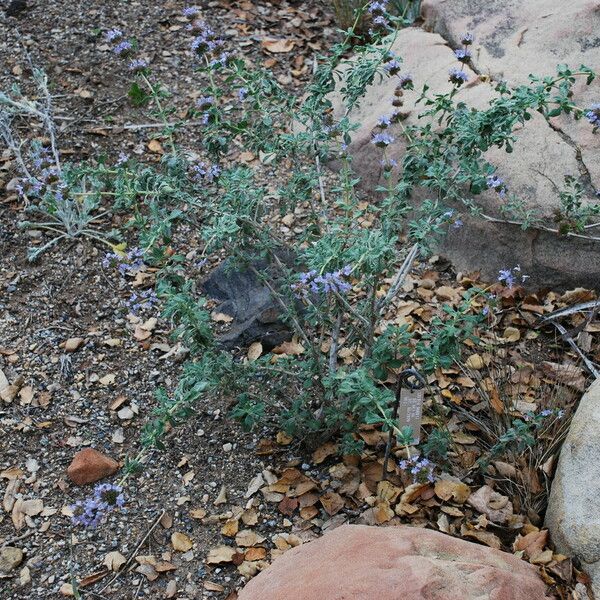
(227, 447)
(10, 558)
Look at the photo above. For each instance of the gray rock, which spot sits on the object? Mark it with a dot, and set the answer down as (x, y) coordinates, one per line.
(256, 314)
(573, 515)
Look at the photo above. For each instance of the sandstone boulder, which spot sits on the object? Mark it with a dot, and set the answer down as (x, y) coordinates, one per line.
(543, 154)
(358, 562)
(573, 515)
(89, 465)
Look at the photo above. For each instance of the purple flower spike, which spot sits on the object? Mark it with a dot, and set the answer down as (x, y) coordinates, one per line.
(593, 114)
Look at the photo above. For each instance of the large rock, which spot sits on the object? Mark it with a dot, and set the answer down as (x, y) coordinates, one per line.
(358, 562)
(243, 296)
(89, 465)
(514, 39)
(535, 171)
(573, 515)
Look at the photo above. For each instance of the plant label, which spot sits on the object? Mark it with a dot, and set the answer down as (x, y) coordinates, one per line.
(410, 411)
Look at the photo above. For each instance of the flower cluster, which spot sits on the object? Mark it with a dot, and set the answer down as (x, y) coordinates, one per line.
(421, 469)
(334, 282)
(559, 413)
(512, 276)
(378, 12)
(593, 115)
(126, 263)
(452, 219)
(204, 172)
(139, 302)
(208, 44)
(92, 511)
(497, 184)
(138, 65)
(457, 76)
(382, 139)
(46, 177)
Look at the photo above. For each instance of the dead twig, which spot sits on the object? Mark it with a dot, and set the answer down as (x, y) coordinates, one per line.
(134, 552)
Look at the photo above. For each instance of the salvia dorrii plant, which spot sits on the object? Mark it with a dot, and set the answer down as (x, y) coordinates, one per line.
(336, 290)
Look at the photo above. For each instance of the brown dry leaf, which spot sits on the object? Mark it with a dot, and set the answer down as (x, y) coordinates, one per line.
(283, 439)
(309, 512)
(457, 491)
(247, 538)
(181, 542)
(511, 334)
(220, 554)
(388, 492)
(292, 348)
(93, 578)
(155, 146)
(141, 334)
(323, 452)
(254, 351)
(495, 506)
(250, 517)
(495, 400)
(569, 375)
(114, 560)
(230, 528)
(253, 554)
(12, 473)
(213, 587)
(475, 361)
(382, 512)
(332, 503)
(72, 344)
(148, 571)
(485, 537)
(220, 317)
(277, 46)
(287, 506)
(532, 544)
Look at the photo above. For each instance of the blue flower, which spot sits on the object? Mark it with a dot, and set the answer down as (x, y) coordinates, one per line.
(384, 121)
(463, 54)
(92, 511)
(333, 282)
(123, 48)
(123, 158)
(138, 65)
(457, 76)
(510, 276)
(593, 114)
(406, 81)
(242, 94)
(191, 12)
(392, 67)
(205, 102)
(382, 140)
(377, 8)
(467, 39)
(113, 35)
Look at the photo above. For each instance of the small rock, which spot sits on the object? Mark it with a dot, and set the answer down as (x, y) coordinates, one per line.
(10, 558)
(227, 447)
(89, 466)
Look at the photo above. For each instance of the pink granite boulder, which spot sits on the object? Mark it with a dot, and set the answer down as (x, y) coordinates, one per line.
(358, 562)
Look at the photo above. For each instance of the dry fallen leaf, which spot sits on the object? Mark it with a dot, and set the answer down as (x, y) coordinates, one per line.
(220, 554)
(277, 46)
(181, 542)
(254, 351)
(114, 560)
